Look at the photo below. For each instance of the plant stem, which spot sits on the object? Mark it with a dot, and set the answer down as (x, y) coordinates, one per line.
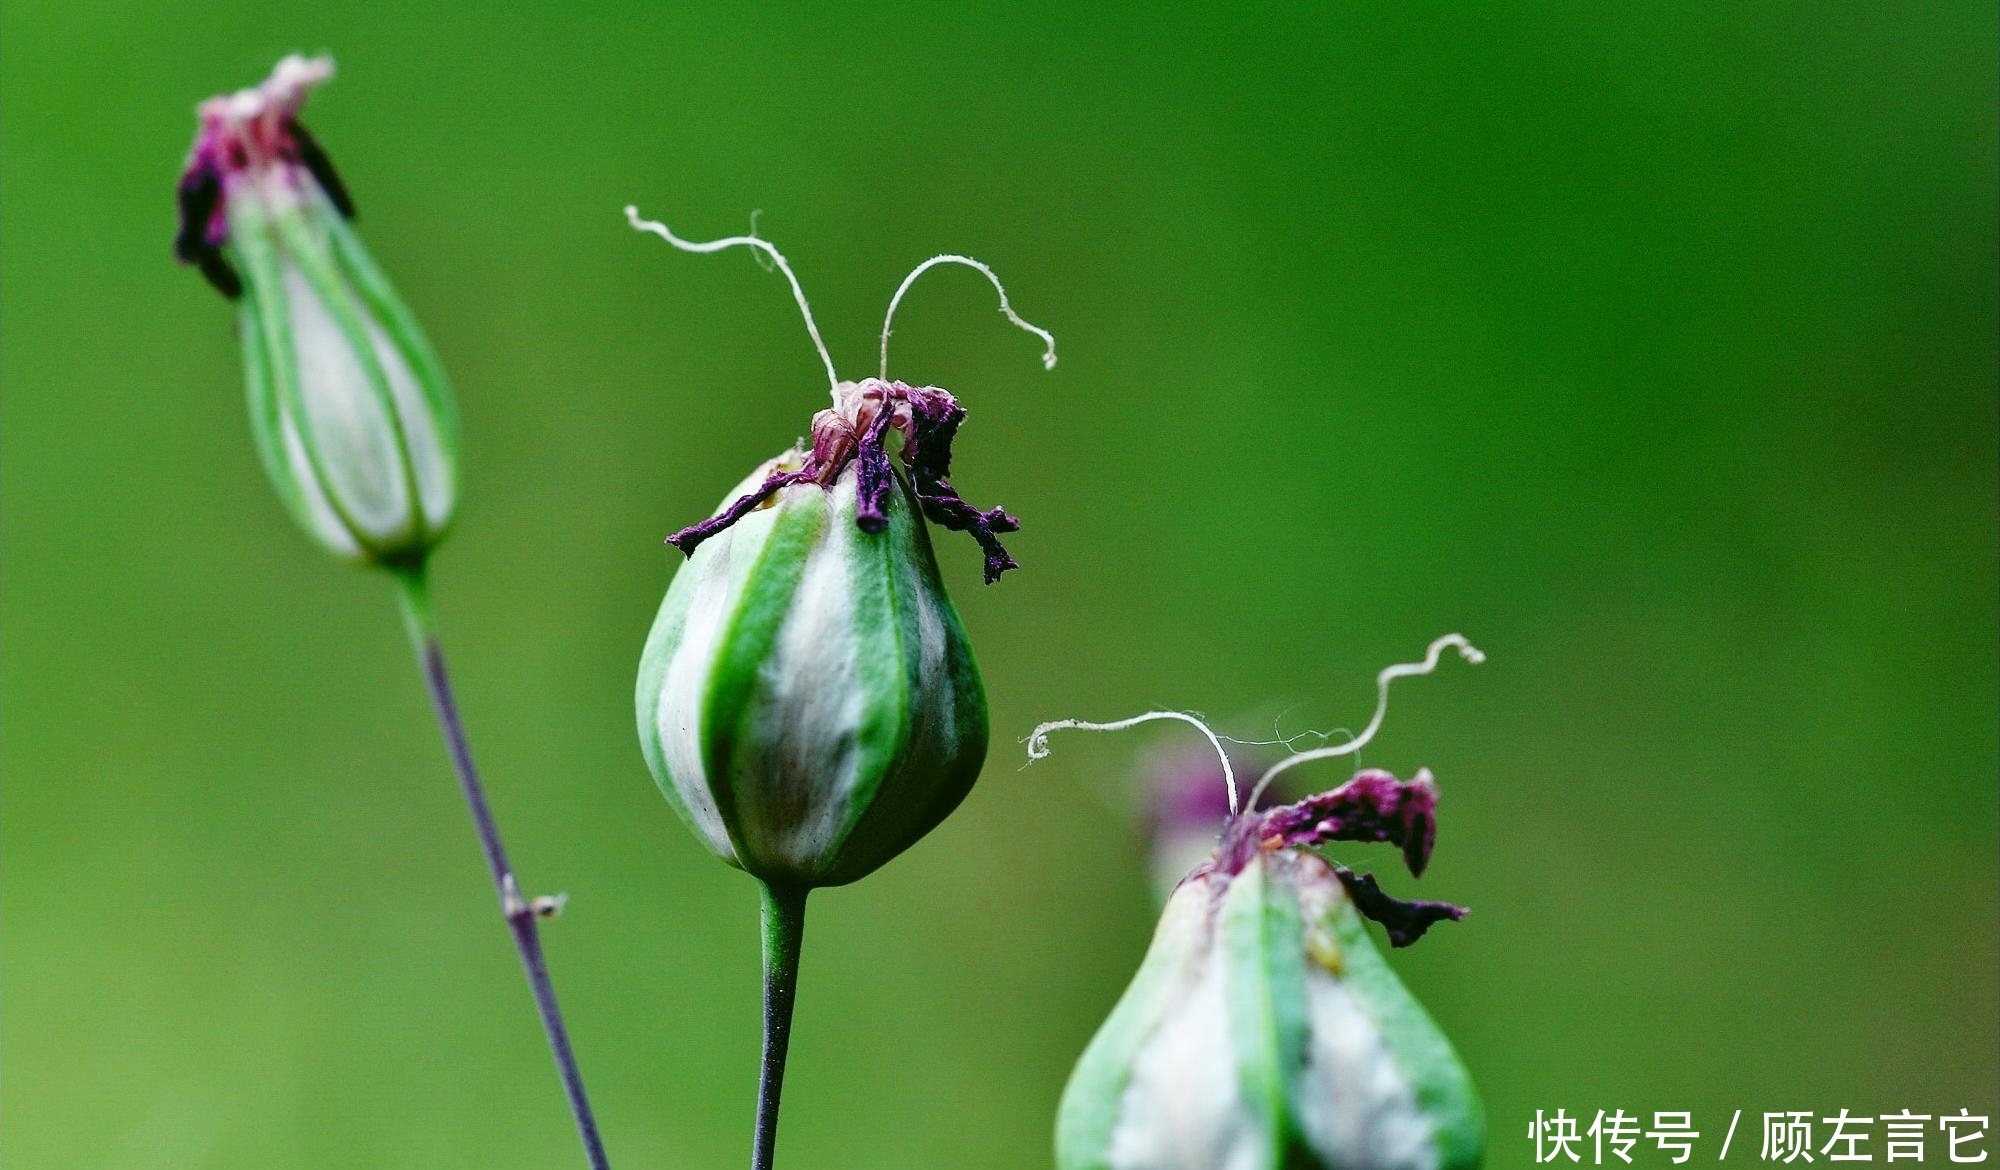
(420, 618)
(784, 926)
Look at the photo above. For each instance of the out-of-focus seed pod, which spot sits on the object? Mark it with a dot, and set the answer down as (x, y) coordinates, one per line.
(348, 404)
(1264, 1030)
(808, 700)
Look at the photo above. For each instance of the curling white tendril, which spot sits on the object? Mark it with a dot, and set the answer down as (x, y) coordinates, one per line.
(1038, 739)
(888, 321)
(1466, 650)
(798, 294)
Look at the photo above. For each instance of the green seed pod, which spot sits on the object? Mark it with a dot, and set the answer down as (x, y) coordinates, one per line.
(1264, 1030)
(349, 407)
(808, 700)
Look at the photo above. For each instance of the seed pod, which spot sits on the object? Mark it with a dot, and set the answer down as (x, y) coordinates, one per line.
(807, 700)
(349, 407)
(1263, 1029)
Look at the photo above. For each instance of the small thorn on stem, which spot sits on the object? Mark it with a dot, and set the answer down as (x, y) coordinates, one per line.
(516, 908)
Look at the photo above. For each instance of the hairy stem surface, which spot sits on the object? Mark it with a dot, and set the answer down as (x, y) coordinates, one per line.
(421, 620)
(784, 926)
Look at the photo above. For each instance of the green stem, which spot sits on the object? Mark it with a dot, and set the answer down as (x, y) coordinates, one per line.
(420, 618)
(784, 926)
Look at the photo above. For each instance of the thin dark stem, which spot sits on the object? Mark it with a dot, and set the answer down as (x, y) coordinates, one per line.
(784, 926)
(520, 914)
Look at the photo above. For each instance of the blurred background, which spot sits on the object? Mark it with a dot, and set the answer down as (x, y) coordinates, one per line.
(1651, 346)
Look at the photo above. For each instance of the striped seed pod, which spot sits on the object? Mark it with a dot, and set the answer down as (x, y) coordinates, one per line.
(349, 407)
(808, 700)
(1264, 1030)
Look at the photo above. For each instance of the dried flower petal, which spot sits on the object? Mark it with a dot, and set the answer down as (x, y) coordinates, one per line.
(855, 433)
(1373, 806)
(1406, 922)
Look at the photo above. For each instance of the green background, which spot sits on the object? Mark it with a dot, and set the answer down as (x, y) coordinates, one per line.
(1652, 346)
